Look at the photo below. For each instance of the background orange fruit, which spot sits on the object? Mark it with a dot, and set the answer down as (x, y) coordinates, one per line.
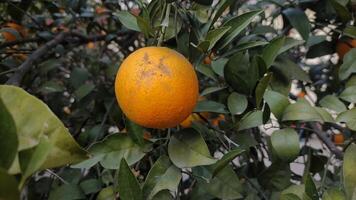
(339, 138)
(156, 87)
(216, 121)
(344, 46)
(9, 37)
(194, 117)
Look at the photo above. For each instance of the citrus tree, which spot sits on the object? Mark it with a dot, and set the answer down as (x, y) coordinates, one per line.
(250, 99)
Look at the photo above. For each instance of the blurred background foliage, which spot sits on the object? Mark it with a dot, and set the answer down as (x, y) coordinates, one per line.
(276, 117)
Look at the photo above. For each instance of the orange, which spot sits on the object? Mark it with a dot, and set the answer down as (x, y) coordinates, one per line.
(344, 46)
(301, 94)
(100, 10)
(9, 37)
(90, 45)
(194, 117)
(216, 121)
(208, 59)
(339, 138)
(156, 87)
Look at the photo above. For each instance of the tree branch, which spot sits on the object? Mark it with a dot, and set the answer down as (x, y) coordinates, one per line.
(16, 42)
(17, 77)
(317, 128)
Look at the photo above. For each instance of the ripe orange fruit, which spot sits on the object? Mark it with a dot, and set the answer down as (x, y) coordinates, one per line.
(156, 87)
(339, 138)
(216, 121)
(194, 117)
(9, 37)
(344, 46)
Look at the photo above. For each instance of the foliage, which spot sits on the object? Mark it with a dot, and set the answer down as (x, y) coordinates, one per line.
(276, 88)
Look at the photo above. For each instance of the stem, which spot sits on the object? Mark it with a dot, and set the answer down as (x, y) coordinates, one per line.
(324, 174)
(164, 26)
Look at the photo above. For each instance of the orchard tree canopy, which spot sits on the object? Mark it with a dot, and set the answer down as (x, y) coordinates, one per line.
(275, 119)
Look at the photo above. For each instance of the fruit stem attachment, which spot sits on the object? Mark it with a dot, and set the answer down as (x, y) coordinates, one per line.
(164, 24)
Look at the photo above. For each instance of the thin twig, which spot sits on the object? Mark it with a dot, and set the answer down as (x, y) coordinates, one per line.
(327, 141)
(24, 12)
(62, 37)
(57, 176)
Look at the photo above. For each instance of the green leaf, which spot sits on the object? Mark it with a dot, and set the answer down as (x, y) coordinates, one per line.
(349, 94)
(8, 138)
(106, 194)
(349, 117)
(162, 176)
(112, 149)
(210, 106)
(128, 20)
(261, 88)
(83, 91)
(277, 102)
(135, 132)
(237, 103)
(302, 110)
(333, 103)
(320, 49)
(350, 31)
(310, 188)
(90, 186)
(163, 195)
(271, 51)
(8, 186)
(285, 142)
(276, 177)
(215, 35)
(225, 185)
(237, 24)
(31, 160)
(78, 76)
(187, 148)
(210, 90)
(349, 174)
(128, 187)
(294, 192)
(290, 70)
(250, 120)
(144, 26)
(290, 43)
(349, 65)
(240, 74)
(51, 87)
(225, 160)
(219, 65)
(341, 10)
(207, 71)
(219, 9)
(245, 46)
(32, 129)
(334, 194)
(67, 192)
(298, 19)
